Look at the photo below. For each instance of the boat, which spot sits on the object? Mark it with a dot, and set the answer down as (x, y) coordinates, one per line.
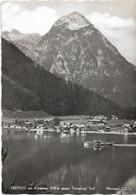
(97, 143)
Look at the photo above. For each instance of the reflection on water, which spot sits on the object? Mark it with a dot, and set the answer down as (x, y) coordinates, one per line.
(61, 160)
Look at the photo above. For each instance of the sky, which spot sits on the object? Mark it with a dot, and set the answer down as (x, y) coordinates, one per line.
(115, 19)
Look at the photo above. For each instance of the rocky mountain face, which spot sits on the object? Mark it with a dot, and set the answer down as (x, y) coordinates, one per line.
(26, 86)
(76, 51)
(25, 42)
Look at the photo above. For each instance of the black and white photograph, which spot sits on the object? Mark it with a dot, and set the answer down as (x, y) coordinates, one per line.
(68, 97)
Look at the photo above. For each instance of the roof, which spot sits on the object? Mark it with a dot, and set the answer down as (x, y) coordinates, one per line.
(79, 125)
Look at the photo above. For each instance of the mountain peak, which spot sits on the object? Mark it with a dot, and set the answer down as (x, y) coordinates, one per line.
(73, 21)
(75, 14)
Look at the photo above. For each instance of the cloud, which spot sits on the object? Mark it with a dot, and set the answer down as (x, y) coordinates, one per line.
(106, 21)
(39, 20)
(8, 10)
(119, 31)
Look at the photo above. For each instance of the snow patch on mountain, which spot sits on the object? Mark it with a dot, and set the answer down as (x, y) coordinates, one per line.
(73, 21)
(89, 32)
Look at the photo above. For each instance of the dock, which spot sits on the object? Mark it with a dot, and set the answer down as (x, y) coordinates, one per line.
(124, 145)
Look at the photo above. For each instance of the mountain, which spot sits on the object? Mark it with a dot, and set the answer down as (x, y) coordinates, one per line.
(25, 42)
(26, 86)
(75, 50)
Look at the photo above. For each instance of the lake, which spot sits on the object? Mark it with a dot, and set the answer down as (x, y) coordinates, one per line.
(65, 166)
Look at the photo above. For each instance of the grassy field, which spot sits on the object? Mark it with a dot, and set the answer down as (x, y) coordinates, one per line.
(10, 116)
(119, 122)
(23, 114)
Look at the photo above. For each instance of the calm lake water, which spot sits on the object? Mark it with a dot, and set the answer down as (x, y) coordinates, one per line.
(63, 162)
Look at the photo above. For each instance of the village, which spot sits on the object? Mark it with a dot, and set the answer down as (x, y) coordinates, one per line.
(73, 124)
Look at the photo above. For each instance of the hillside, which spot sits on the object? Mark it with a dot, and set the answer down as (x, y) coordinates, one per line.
(29, 87)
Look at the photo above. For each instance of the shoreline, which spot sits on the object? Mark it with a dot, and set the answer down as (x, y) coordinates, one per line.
(84, 132)
(112, 133)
